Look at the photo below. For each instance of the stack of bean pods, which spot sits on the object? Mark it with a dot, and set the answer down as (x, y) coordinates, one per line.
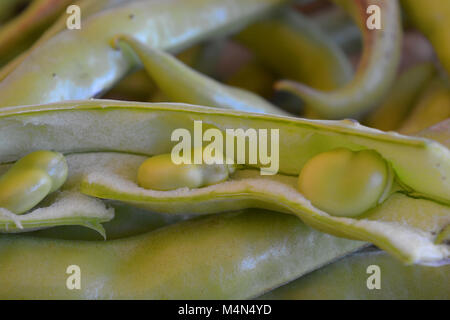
(95, 96)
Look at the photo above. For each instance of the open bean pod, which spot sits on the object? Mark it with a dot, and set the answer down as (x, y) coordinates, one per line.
(397, 223)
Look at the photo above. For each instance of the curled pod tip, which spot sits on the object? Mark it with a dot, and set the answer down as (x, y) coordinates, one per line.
(180, 83)
(376, 71)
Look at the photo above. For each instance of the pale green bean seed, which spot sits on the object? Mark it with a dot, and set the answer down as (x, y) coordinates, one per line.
(345, 183)
(53, 163)
(31, 179)
(161, 173)
(21, 190)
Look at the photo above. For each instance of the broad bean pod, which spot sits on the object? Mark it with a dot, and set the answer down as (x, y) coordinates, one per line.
(87, 8)
(432, 107)
(396, 224)
(20, 32)
(180, 83)
(234, 255)
(94, 66)
(348, 278)
(376, 71)
(432, 18)
(397, 105)
(297, 50)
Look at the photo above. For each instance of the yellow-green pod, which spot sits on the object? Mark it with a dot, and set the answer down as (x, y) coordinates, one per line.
(297, 50)
(20, 32)
(135, 131)
(87, 8)
(368, 275)
(236, 255)
(180, 83)
(377, 67)
(396, 106)
(433, 106)
(432, 18)
(48, 74)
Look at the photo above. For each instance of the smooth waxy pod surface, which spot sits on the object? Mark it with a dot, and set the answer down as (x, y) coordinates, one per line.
(227, 256)
(375, 72)
(87, 7)
(432, 18)
(399, 102)
(180, 83)
(433, 106)
(350, 277)
(398, 225)
(298, 50)
(48, 74)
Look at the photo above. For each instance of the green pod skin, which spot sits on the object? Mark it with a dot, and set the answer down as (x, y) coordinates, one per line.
(21, 190)
(31, 179)
(297, 50)
(376, 72)
(82, 64)
(87, 8)
(348, 279)
(137, 86)
(180, 83)
(400, 100)
(228, 256)
(17, 34)
(432, 18)
(433, 106)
